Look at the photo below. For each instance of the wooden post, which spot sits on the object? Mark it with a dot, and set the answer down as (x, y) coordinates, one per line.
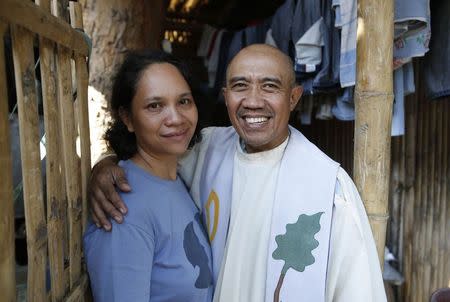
(71, 167)
(55, 198)
(7, 259)
(36, 227)
(373, 104)
(82, 110)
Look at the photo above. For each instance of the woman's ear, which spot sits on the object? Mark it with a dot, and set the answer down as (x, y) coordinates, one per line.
(126, 119)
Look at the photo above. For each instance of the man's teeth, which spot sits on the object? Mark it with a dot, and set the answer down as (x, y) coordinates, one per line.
(252, 120)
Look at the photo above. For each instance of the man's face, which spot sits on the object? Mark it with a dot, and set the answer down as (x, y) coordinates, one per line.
(260, 95)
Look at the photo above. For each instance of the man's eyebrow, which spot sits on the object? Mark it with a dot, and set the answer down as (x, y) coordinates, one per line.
(237, 79)
(271, 79)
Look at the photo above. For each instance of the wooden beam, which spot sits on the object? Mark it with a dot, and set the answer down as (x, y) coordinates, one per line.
(71, 166)
(82, 112)
(36, 19)
(55, 198)
(7, 259)
(373, 104)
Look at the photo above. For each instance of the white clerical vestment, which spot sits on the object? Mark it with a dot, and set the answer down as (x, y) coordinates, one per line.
(352, 268)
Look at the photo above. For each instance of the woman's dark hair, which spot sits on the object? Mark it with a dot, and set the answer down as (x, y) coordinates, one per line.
(125, 83)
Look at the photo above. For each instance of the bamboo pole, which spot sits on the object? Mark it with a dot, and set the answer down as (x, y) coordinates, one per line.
(395, 193)
(410, 178)
(7, 259)
(446, 195)
(429, 206)
(34, 18)
(22, 41)
(373, 108)
(71, 168)
(82, 111)
(417, 193)
(55, 198)
(435, 233)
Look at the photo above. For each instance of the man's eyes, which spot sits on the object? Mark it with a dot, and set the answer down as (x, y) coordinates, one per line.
(270, 86)
(239, 85)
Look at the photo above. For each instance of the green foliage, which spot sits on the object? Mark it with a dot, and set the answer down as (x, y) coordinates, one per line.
(296, 245)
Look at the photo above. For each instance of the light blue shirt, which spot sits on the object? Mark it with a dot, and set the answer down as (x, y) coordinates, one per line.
(159, 253)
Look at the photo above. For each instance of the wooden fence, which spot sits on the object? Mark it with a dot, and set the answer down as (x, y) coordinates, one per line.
(53, 226)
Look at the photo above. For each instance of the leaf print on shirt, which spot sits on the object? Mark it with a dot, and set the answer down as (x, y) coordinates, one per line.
(296, 245)
(196, 255)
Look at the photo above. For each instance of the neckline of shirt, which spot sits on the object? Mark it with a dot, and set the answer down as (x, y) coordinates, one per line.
(272, 155)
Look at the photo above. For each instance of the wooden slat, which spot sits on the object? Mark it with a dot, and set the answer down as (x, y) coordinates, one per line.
(31, 164)
(430, 200)
(79, 290)
(27, 14)
(55, 199)
(7, 260)
(82, 111)
(435, 232)
(415, 278)
(445, 258)
(410, 175)
(71, 168)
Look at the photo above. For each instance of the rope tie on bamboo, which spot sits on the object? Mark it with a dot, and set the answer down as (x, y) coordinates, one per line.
(364, 95)
(87, 39)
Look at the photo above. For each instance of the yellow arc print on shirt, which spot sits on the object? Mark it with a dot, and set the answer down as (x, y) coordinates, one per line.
(212, 199)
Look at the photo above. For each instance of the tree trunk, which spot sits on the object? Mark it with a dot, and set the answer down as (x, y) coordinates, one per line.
(276, 294)
(116, 26)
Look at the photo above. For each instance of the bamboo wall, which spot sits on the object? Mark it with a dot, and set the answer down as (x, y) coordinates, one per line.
(419, 199)
(53, 226)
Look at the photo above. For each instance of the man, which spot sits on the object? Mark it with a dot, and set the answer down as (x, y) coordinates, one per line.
(285, 222)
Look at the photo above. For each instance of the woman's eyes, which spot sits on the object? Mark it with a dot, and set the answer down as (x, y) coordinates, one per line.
(154, 105)
(185, 101)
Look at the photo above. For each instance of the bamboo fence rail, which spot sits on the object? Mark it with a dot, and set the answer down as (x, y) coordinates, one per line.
(54, 228)
(7, 260)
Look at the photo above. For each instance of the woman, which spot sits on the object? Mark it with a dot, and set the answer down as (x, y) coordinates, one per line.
(160, 252)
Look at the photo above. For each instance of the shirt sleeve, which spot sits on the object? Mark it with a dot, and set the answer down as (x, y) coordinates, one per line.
(354, 272)
(119, 263)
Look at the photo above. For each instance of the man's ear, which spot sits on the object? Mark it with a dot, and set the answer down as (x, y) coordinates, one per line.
(296, 94)
(126, 119)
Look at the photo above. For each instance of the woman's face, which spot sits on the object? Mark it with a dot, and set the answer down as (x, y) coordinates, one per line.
(163, 113)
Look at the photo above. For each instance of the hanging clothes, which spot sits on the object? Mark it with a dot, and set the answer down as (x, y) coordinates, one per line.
(346, 21)
(281, 26)
(412, 30)
(437, 62)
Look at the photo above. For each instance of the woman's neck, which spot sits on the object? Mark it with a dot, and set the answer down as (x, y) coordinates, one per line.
(164, 167)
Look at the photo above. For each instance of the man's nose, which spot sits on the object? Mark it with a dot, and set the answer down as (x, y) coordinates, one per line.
(253, 99)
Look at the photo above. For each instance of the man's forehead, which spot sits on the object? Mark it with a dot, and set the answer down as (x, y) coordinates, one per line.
(259, 63)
